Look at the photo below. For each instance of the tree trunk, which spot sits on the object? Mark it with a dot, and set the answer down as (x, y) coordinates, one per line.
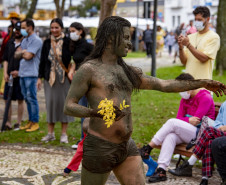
(32, 9)
(59, 9)
(106, 9)
(221, 27)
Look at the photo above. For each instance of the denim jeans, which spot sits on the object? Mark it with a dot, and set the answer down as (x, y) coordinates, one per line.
(218, 148)
(83, 102)
(29, 91)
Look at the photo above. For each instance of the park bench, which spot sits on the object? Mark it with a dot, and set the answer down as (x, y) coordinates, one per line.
(181, 148)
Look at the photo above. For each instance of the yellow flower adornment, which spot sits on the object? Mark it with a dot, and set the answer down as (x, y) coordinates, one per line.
(107, 110)
(123, 105)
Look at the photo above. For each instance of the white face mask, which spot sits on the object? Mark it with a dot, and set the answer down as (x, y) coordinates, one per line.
(74, 36)
(199, 25)
(185, 95)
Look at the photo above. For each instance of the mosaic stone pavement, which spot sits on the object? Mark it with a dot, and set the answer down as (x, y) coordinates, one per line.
(31, 165)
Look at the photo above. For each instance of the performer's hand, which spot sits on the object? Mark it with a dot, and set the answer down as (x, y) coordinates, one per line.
(194, 120)
(95, 113)
(216, 87)
(222, 128)
(119, 114)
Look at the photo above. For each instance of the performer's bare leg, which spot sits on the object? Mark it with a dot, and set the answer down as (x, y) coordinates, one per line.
(131, 171)
(89, 178)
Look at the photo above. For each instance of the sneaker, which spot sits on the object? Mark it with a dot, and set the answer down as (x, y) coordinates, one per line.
(204, 182)
(223, 182)
(183, 170)
(158, 176)
(34, 127)
(67, 171)
(64, 138)
(7, 128)
(16, 126)
(49, 137)
(27, 126)
(145, 151)
(191, 144)
(75, 146)
(152, 165)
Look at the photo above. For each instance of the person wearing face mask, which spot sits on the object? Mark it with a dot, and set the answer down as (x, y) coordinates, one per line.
(205, 150)
(29, 52)
(11, 67)
(79, 49)
(56, 70)
(193, 106)
(198, 51)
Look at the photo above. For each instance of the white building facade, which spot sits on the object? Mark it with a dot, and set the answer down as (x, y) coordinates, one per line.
(180, 11)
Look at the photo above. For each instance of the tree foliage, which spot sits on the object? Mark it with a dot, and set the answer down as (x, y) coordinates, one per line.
(85, 6)
(221, 27)
(23, 5)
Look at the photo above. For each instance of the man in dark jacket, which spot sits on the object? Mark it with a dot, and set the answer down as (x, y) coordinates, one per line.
(148, 40)
(11, 67)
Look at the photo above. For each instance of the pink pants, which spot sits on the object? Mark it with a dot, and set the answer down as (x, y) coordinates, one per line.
(173, 132)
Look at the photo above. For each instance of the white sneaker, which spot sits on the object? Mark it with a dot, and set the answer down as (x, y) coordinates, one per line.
(74, 146)
(64, 138)
(49, 137)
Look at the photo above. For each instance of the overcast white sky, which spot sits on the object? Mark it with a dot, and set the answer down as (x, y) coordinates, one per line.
(44, 4)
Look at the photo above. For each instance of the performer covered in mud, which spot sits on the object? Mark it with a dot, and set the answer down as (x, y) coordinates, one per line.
(106, 75)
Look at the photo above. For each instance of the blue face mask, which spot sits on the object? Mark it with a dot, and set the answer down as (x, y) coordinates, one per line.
(24, 32)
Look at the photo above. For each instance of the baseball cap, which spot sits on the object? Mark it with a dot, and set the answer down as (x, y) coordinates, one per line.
(17, 25)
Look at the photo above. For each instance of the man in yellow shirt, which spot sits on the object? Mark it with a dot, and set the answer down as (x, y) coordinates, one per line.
(198, 51)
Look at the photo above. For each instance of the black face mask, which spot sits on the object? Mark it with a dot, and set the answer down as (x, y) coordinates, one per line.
(19, 36)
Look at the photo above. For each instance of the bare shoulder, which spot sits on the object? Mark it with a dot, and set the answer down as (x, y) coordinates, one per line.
(90, 65)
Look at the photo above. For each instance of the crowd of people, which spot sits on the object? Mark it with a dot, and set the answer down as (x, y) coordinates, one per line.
(31, 63)
(77, 76)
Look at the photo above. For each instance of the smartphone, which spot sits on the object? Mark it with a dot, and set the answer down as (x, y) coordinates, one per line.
(183, 32)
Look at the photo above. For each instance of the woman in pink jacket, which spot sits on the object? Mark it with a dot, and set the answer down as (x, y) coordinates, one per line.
(193, 106)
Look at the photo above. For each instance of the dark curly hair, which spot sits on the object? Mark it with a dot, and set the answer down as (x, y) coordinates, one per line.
(203, 10)
(185, 76)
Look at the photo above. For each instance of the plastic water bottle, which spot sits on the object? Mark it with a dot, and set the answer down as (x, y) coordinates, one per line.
(10, 83)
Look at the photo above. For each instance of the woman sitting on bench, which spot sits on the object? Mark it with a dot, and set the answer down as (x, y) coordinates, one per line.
(193, 106)
(203, 149)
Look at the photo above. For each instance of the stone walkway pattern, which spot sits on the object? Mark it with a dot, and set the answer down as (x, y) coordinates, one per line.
(32, 165)
(35, 165)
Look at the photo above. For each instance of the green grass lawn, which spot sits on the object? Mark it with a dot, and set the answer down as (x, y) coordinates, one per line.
(150, 110)
(139, 54)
